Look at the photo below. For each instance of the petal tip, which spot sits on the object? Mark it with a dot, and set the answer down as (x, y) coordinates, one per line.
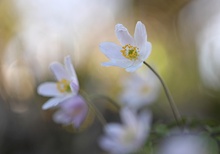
(44, 107)
(139, 22)
(67, 58)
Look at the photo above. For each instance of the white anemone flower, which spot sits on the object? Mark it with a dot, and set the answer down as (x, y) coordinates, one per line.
(140, 89)
(129, 136)
(132, 52)
(66, 86)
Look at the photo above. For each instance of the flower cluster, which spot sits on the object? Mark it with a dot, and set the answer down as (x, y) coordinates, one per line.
(133, 132)
(72, 107)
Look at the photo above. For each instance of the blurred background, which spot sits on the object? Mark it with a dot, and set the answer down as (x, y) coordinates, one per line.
(185, 36)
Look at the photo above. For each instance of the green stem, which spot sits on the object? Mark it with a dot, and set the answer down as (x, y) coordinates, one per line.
(93, 108)
(174, 109)
(116, 105)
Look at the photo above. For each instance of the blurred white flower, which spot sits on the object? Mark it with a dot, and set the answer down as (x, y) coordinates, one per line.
(133, 51)
(187, 143)
(209, 53)
(66, 86)
(129, 136)
(199, 24)
(140, 89)
(72, 111)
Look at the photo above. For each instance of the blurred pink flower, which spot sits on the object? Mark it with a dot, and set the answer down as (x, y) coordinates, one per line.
(73, 111)
(129, 136)
(133, 51)
(66, 86)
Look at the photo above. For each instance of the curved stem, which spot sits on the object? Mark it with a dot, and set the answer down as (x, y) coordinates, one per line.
(116, 105)
(94, 109)
(174, 109)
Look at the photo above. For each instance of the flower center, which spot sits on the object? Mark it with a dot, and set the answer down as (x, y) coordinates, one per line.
(130, 52)
(144, 89)
(64, 86)
(129, 136)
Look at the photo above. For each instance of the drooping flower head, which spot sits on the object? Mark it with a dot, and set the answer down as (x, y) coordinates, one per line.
(139, 89)
(73, 111)
(66, 86)
(133, 50)
(129, 136)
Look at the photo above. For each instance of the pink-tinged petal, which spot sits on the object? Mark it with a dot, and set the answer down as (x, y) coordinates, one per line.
(140, 35)
(145, 51)
(70, 69)
(120, 63)
(53, 102)
(59, 71)
(76, 109)
(48, 89)
(61, 118)
(134, 67)
(111, 50)
(74, 102)
(77, 121)
(123, 35)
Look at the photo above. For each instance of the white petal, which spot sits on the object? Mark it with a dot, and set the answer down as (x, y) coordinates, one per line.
(144, 124)
(53, 102)
(70, 69)
(145, 118)
(48, 89)
(131, 98)
(74, 88)
(113, 129)
(111, 50)
(134, 67)
(140, 35)
(128, 117)
(145, 51)
(123, 35)
(120, 63)
(107, 64)
(113, 146)
(107, 143)
(59, 71)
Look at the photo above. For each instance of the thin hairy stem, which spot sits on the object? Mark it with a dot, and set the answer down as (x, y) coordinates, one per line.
(173, 106)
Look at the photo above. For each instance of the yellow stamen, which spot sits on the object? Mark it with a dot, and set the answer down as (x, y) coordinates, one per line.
(130, 52)
(63, 86)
